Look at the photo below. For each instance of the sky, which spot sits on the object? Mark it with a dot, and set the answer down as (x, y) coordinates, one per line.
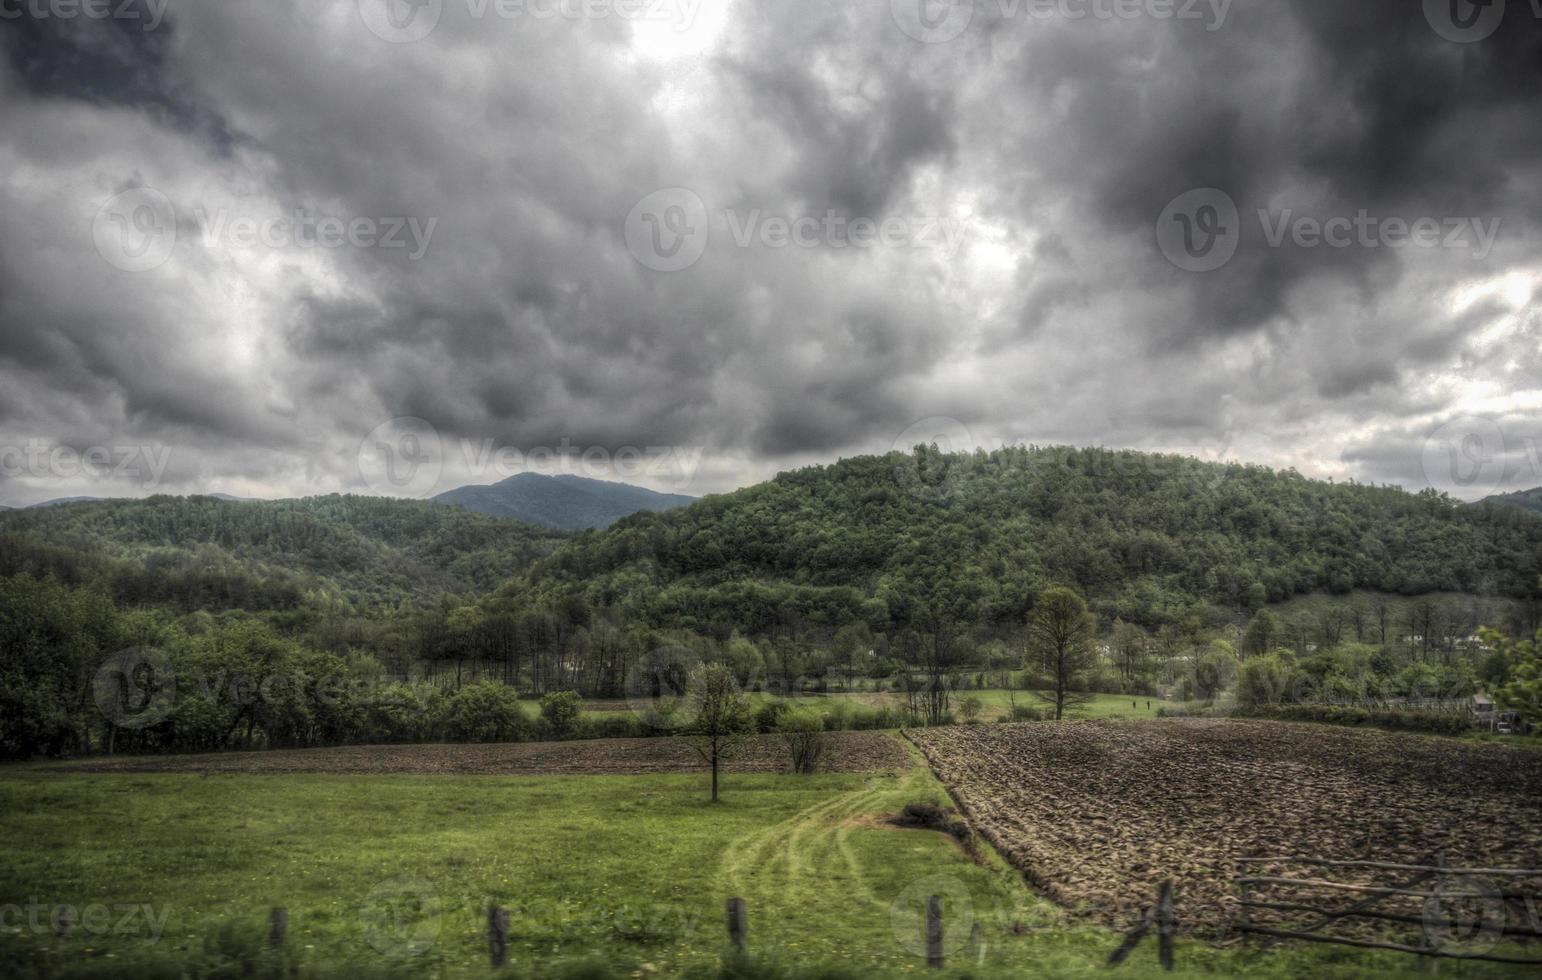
(288, 247)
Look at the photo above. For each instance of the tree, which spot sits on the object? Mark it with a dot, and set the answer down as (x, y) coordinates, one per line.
(1060, 638)
(1260, 636)
(1131, 648)
(1214, 670)
(1522, 693)
(1263, 679)
(721, 718)
(560, 711)
(803, 732)
(853, 642)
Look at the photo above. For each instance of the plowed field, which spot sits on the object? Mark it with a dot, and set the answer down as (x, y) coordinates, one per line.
(852, 752)
(1096, 814)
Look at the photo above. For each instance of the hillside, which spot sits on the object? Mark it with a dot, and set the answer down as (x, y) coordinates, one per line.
(570, 503)
(1528, 499)
(1151, 539)
(205, 552)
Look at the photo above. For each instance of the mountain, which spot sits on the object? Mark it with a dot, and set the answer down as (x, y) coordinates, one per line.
(1529, 499)
(570, 503)
(67, 500)
(1155, 540)
(208, 553)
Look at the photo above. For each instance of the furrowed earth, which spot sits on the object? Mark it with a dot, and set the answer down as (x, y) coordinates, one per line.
(850, 752)
(1097, 814)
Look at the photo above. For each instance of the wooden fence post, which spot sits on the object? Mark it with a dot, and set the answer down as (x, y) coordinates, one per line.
(737, 930)
(934, 932)
(1165, 924)
(1432, 963)
(278, 927)
(497, 935)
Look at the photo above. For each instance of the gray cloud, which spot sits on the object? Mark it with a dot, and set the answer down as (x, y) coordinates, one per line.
(526, 320)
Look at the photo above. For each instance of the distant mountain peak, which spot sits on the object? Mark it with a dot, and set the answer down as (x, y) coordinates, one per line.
(568, 502)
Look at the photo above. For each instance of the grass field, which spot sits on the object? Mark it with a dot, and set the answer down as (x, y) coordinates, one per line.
(996, 703)
(626, 875)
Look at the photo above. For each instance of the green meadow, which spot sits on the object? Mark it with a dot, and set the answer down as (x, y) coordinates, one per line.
(602, 876)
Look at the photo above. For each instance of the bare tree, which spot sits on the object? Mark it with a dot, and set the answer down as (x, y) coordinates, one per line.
(1131, 648)
(1060, 638)
(803, 733)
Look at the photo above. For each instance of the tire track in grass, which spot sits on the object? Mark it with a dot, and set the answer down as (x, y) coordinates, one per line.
(816, 839)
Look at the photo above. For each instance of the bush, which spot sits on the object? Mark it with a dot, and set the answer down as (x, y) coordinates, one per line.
(559, 713)
(969, 709)
(487, 711)
(1428, 722)
(803, 732)
(1024, 712)
(615, 724)
(769, 715)
(930, 816)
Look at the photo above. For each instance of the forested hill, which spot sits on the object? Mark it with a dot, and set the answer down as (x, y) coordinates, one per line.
(208, 553)
(1529, 499)
(567, 502)
(972, 538)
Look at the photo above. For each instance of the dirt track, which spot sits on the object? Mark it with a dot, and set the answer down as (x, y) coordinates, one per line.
(1096, 814)
(853, 752)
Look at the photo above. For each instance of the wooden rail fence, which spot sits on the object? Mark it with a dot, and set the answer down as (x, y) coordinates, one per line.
(1516, 907)
(1160, 917)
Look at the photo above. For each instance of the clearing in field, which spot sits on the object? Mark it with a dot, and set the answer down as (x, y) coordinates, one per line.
(1096, 814)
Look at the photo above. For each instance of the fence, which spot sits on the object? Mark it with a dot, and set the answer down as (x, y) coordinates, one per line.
(1159, 916)
(1259, 893)
(1509, 912)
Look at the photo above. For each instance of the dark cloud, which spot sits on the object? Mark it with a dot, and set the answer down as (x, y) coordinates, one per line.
(525, 319)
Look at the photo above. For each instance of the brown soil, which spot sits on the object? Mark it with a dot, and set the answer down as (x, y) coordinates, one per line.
(852, 752)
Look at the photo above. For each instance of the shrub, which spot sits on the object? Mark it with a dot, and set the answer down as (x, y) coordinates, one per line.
(803, 732)
(1024, 712)
(969, 709)
(930, 816)
(559, 713)
(768, 715)
(616, 724)
(487, 711)
(1429, 722)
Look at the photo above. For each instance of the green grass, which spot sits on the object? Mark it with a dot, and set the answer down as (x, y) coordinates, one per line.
(628, 872)
(996, 703)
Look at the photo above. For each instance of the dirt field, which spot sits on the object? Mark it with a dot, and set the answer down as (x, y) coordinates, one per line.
(853, 752)
(1098, 813)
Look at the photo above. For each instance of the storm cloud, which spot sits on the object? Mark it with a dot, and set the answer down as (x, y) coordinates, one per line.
(255, 233)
